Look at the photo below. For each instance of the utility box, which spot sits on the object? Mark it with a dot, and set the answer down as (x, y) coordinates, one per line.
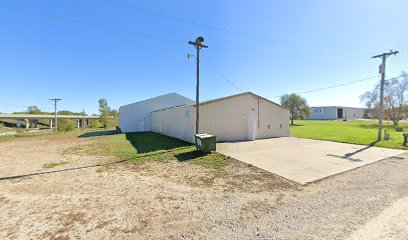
(205, 142)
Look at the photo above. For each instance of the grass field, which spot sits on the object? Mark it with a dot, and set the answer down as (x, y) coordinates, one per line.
(144, 146)
(22, 133)
(356, 132)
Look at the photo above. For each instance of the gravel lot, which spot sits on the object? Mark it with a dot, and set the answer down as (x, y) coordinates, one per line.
(84, 195)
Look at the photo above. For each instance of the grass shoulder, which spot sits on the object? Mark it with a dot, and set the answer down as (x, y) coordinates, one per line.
(147, 146)
(355, 132)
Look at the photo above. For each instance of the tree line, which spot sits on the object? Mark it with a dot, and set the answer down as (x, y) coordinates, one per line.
(109, 116)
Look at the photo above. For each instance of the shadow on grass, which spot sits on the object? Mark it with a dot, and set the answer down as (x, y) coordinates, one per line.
(98, 133)
(188, 156)
(367, 125)
(149, 143)
(145, 142)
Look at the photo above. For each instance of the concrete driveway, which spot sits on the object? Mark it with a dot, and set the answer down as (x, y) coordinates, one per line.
(304, 160)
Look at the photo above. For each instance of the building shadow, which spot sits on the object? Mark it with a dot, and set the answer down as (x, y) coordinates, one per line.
(188, 156)
(145, 142)
(98, 134)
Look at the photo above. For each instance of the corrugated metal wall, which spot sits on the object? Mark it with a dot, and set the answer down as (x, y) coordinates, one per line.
(273, 121)
(130, 115)
(229, 119)
(175, 122)
(323, 113)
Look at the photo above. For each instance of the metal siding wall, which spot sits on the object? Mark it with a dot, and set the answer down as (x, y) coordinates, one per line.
(330, 113)
(353, 113)
(174, 123)
(132, 113)
(275, 116)
(227, 119)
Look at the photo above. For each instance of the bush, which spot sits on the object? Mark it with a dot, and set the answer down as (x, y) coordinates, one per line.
(65, 125)
(95, 124)
(399, 129)
(112, 122)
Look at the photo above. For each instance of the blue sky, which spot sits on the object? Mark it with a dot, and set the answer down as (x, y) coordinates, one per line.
(315, 44)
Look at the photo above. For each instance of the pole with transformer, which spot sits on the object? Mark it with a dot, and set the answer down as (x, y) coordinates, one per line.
(55, 100)
(198, 44)
(383, 57)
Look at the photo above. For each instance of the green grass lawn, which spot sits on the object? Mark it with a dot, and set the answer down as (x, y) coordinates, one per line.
(145, 146)
(356, 132)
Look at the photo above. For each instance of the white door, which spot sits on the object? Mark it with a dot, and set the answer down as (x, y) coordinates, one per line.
(140, 126)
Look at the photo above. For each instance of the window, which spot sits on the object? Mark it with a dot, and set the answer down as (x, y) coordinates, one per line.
(187, 114)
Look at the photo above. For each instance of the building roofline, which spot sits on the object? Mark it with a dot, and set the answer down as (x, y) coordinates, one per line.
(156, 97)
(224, 98)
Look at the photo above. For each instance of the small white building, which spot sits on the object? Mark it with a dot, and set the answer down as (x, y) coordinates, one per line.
(239, 117)
(137, 117)
(336, 112)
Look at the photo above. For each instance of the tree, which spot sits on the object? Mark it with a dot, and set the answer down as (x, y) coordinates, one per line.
(104, 111)
(67, 112)
(114, 113)
(33, 110)
(395, 99)
(297, 106)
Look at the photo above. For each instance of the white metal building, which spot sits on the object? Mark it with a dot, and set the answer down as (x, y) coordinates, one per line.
(137, 117)
(239, 117)
(336, 112)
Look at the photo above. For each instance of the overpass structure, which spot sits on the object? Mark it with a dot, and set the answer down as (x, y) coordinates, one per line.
(31, 120)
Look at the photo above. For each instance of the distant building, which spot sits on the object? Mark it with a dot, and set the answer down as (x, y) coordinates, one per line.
(336, 112)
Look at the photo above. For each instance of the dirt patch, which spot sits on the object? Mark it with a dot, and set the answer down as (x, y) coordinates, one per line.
(94, 196)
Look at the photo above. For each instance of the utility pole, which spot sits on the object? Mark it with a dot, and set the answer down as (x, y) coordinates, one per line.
(383, 57)
(55, 100)
(198, 44)
(83, 118)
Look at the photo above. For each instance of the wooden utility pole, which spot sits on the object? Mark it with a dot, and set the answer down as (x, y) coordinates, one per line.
(383, 57)
(198, 44)
(55, 100)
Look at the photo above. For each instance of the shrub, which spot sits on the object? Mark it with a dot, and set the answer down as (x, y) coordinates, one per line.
(399, 129)
(94, 123)
(65, 125)
(112, 122)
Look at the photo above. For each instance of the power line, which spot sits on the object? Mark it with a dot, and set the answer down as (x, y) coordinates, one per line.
(221, 74)
(57, 18)
(191, 22)
(243, 51)
(150, 12)
(334, 86)
(340, 85)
